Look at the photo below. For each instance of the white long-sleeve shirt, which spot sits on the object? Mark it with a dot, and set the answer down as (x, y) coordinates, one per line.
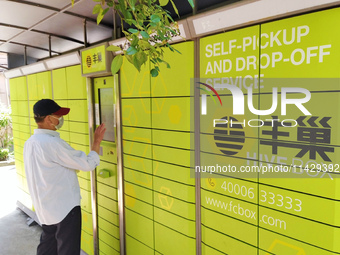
(50, 166)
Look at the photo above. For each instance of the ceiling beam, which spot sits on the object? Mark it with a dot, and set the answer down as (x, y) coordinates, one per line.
(34, 47)
(55, 12)
(43, 32)
(64, 10)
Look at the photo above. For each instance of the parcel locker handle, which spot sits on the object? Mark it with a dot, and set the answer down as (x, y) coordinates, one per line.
(104, 173)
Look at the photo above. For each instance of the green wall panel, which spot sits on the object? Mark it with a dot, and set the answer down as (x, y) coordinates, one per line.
(108, 239)
(44, 85)
(78, 110)
(175, 222)
(134, 83)
(112, 169)
(108, 215)
(108, 191)
(107, 203)
(138, 177)
(282, 245)
(317, 44)
(108, 227)
(139, 192)
(168, 241)
(172, 138)
(76, 84)
(138, 163)
(23, 108)
(139, 207)
(86, 200)
(172, 155)
(32, 87)
(15, 109)
(135, 247)
(206, 250)
(59, 84)
(13, 89)
(106, 249)
(140, 228)
(171, 113)
(174, 206)
(176, 80)
(172, 172)
(86, 219)
(141, 134)
(21, 87)
(226, 244)
(137, 149)
(136, 112)
(87, 242)
(167, 189)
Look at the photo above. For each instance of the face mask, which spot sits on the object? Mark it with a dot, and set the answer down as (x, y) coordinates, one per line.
(61, 122)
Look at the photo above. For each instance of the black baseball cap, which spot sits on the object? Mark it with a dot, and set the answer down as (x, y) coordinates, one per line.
(46, 107)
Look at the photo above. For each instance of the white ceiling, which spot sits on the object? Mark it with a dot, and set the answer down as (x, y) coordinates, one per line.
(30, 24)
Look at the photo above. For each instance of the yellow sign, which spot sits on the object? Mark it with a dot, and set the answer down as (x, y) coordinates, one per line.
(94, 60)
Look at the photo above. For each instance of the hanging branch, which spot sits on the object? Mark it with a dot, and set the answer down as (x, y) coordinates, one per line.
(151, 30)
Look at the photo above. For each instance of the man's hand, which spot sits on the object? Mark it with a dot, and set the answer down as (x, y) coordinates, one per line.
(98, 137)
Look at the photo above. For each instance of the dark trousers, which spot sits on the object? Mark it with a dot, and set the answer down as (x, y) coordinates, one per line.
(62, 238)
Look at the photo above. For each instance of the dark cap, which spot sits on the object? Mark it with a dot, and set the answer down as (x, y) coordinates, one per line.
(46, 107)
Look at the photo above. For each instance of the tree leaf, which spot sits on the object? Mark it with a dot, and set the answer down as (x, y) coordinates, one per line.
(163, 2)
(131, 50)
(99, 18)
(142, 57)
(175, 8)
(133, 4)
(136, 62)
(116, 64)
(177, 51)
(170, 18)
(133, 30)
(113, 48)
(191, 2)
(167, 64)
(145, 34)
(135, 40)
(131, 21)
(96, 9)
(155, 18)
(154, 72)
(144, 44)
(105, 11)
(129, 58)
(72, 1)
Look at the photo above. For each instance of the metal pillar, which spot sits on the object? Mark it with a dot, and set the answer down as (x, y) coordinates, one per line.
(197, 149)
(120, 169)
(85, 34)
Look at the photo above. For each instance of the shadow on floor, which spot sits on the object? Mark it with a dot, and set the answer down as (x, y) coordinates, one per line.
(16, 237)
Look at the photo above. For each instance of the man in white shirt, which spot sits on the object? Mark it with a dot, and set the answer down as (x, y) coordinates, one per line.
(50, 165)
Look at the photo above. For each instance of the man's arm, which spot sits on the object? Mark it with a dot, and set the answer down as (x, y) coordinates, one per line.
(71, 158)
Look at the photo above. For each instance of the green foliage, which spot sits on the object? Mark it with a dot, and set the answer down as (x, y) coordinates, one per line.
(4, 154)
(116, 63)
(6, 138)
(151, 30)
